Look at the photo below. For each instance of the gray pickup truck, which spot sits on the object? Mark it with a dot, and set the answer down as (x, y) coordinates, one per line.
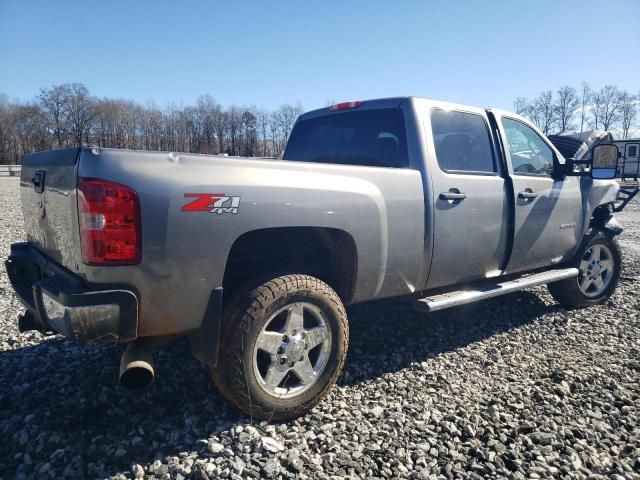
(254, 259)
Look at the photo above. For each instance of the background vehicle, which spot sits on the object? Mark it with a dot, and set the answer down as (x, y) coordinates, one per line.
(255, 259)
(630, 158)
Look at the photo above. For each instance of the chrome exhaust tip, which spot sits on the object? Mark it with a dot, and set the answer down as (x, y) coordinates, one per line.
(136, 367)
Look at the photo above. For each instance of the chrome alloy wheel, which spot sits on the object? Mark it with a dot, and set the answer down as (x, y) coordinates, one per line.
(596, 270)
(292, 349)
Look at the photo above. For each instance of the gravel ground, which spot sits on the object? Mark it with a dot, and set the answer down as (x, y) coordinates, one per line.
(514, 387)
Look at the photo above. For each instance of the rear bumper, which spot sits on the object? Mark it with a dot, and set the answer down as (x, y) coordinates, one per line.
(60, 301)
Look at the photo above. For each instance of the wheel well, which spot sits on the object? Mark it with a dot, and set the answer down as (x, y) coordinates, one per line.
(326, 253)
(600, 216)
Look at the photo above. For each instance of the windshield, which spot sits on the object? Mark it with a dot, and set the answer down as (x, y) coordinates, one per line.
(365, 137)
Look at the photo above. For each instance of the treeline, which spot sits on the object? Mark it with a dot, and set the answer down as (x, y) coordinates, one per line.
(570, 110)
(68, 115)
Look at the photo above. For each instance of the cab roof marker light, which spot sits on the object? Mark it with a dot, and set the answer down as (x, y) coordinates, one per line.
(345, 105)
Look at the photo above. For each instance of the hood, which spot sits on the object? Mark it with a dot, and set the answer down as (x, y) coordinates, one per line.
(579, 146)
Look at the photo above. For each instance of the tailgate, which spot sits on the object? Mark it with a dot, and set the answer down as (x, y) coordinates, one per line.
(49, 204)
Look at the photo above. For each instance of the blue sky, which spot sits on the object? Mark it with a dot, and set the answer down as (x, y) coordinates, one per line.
(267, 53)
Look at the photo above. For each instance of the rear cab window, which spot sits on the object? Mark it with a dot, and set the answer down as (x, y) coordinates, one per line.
(371, 137)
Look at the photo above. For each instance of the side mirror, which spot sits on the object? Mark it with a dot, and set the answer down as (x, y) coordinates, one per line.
(604, 163)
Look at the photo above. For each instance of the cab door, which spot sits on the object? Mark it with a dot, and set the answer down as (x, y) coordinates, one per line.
(547, 205)
(470, 221)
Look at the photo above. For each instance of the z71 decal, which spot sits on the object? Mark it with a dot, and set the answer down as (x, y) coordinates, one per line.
(212, 202)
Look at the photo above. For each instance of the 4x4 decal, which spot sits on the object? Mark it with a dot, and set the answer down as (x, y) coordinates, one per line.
(212, 202)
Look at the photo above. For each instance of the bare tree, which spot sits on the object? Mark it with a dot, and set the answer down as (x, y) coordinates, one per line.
(628, 111)
(273, 131)
(520, 105)
(78, 108)
(6, 127)
(285, 116)
(542, 112)
(208, 109)
(606, 105)
(531, 112)
(565, 107)
(249, 133)
(151, 127)
(585, 99)
(53, 101)
(262, 124)
(29, 128)
(193, 128)
(234, 115)
(220, 127)
(171, 130)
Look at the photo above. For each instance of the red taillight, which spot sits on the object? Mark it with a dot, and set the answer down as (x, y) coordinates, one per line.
(109, 223)
(345, 105)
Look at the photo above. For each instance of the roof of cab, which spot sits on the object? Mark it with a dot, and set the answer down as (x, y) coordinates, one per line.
(394, 102)
(391, 102)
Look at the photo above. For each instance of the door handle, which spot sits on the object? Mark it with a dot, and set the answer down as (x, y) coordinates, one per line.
(38, 181)
(453, 194)
(528, 194)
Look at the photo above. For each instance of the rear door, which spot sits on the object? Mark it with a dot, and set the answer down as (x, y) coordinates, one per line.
(471, 228)
(49, 204)
(547, 206)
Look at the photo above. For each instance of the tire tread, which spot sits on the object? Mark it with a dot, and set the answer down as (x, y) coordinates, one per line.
(243, 317)
(567, 293)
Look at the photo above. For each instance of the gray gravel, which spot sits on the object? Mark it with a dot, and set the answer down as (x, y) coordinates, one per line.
(514, 387)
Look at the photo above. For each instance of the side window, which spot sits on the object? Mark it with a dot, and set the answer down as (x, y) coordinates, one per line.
(530, 155)
(632, 151)
(462, 142)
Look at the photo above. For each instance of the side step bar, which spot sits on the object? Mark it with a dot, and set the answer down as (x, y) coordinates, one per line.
(490, 290)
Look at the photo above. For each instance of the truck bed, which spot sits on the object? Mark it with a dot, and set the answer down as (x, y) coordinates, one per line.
(184, 252)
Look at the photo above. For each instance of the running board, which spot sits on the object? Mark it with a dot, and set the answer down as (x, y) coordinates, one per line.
(483, 292)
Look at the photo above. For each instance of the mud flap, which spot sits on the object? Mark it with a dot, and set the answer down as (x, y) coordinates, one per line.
(205, 340)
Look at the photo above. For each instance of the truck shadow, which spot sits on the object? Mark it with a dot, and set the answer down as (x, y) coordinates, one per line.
(388, 336)
(57, 396)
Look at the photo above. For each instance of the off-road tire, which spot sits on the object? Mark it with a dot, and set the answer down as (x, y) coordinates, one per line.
(568, 294)
(246, 316)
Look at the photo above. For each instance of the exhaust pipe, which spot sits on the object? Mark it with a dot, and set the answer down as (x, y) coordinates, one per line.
(136, 367)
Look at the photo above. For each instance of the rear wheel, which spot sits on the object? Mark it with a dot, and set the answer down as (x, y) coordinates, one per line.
(599, 270)
(284, 344)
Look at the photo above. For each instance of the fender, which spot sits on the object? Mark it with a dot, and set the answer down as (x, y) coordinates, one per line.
(602, 219)
(612, 226)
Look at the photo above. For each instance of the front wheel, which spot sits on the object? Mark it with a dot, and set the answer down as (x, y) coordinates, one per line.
(599, 271)
(284, 344)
